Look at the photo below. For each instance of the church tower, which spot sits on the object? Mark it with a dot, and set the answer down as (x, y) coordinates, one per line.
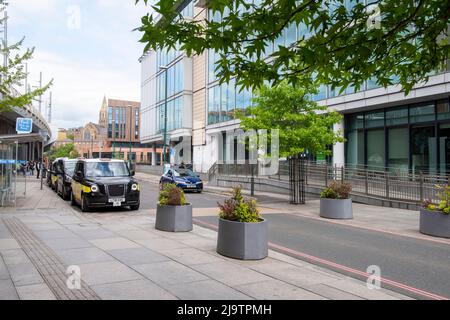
(103, 117)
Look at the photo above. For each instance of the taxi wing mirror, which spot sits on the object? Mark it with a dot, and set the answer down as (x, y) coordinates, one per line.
(132, 173)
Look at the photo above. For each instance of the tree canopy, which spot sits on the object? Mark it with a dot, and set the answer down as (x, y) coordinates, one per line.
(341, 43)
(67, 150)
(303, 125)
(12, 74)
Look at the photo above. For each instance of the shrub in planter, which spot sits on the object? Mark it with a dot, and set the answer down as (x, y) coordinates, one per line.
(435, 216)
(243, 233)
(173, 213)
(335, 201)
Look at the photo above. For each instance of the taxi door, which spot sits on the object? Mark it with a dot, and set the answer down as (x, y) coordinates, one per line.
(76, 182)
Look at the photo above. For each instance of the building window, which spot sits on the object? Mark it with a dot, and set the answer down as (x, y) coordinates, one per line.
(374, 119)
(136, 124)
(110, 122)
(443, 110)
(375, 149)
(397, 116)
(398, 150)
(422, 113)
(174, 115)
(117, 119)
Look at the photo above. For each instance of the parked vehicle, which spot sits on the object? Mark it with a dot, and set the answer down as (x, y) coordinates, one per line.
(65, 169)
(52, 174)
(183, 178)
(99, 183)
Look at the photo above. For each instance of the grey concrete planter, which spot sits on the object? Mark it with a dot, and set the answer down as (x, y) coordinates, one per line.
(336, 208)
(242, 240)
(174, 218)
(434, 223)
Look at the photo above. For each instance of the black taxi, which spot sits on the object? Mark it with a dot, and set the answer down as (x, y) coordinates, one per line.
(99, 183)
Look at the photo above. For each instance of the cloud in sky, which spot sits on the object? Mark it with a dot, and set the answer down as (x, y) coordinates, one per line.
(86, 46)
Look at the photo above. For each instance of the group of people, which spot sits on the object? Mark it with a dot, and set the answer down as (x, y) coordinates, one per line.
(29, 167)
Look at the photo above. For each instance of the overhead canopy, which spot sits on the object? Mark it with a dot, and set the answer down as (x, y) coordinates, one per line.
(21, 138)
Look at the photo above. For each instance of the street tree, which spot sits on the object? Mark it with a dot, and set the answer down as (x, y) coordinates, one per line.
(303, 125)
(12, 73)
(341, 43)
(67, 150)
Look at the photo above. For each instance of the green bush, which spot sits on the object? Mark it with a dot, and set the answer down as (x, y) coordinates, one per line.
(443, 200)
(337, 190)
(171, 195)
(237, 208)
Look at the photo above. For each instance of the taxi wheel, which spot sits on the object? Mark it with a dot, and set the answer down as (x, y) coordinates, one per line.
(64, 193)
(84, 206)
(135, 208)
(72, 199)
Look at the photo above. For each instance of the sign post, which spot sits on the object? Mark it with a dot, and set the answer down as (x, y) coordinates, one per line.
(43, 134)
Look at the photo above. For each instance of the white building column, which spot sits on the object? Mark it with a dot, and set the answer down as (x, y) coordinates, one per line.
(338, 148)
(154, 155)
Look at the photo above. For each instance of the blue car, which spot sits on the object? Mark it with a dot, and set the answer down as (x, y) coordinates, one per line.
(183, 178)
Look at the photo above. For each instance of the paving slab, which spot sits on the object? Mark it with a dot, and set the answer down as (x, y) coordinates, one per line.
(169, 273)
(7, 290)
(138, 234)
(132, 290)
(67, 243)
(35, 292)
(14, 256)
(360, 289)
(162, 245)
(114, 243)
(4, 274)
(107, 272)
(83, 256)
(277, 290)
(93, 233)
(8, 244)
(206, 290)
(55, 234)
(332, 293)
(137, 256)
(193, 256)
(24, 274)
(230, 273)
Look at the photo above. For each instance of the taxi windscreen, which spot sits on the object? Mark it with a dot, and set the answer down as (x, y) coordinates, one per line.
(106, 169)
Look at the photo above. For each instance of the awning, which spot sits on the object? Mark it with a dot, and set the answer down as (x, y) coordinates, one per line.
(21, 138)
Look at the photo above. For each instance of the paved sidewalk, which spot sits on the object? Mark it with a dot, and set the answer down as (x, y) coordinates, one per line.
(122, 256)
(391, 220)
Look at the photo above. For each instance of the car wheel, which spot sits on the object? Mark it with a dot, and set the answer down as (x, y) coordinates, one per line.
(72, 199)
(135, 207)
(84, 206)
(160, 185)
(64, 193)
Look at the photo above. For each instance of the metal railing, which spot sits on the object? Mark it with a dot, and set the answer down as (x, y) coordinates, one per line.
(389, 184)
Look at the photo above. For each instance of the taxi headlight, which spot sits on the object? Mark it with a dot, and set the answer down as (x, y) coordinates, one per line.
(94, 188)
(134, 187)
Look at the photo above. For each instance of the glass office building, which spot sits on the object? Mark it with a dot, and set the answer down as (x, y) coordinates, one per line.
(412, 137)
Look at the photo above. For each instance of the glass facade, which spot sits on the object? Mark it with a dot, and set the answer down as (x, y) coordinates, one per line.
(110, 122)
(174, 115)
(414, 137)
(136, 124)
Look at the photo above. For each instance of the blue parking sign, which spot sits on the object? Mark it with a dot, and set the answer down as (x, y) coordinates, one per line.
(24, 125)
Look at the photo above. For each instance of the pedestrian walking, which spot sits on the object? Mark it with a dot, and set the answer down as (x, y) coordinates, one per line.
(32, 166)
(38, 166)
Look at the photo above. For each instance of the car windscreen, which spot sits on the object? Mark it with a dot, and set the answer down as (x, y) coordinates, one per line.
(183, 173)
(69, 167)
(106, 169)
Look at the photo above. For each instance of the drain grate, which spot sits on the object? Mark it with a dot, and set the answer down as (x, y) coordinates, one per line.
(51, 268)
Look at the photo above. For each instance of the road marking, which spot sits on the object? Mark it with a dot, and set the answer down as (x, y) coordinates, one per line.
(306, 256)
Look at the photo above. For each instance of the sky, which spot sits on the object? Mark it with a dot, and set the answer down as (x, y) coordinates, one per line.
(87, 47)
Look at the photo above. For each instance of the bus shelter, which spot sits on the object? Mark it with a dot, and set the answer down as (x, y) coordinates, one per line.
(13, 185)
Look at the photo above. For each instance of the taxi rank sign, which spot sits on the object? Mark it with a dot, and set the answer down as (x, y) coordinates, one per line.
(24, 125)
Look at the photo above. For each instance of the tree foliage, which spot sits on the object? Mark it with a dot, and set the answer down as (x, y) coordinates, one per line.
(338, 45)
(13, 73)
(64, 151)
(302, 123)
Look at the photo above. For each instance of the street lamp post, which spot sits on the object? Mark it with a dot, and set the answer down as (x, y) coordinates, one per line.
(164, 158)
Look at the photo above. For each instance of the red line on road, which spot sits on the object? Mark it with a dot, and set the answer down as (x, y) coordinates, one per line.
(340, 267)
